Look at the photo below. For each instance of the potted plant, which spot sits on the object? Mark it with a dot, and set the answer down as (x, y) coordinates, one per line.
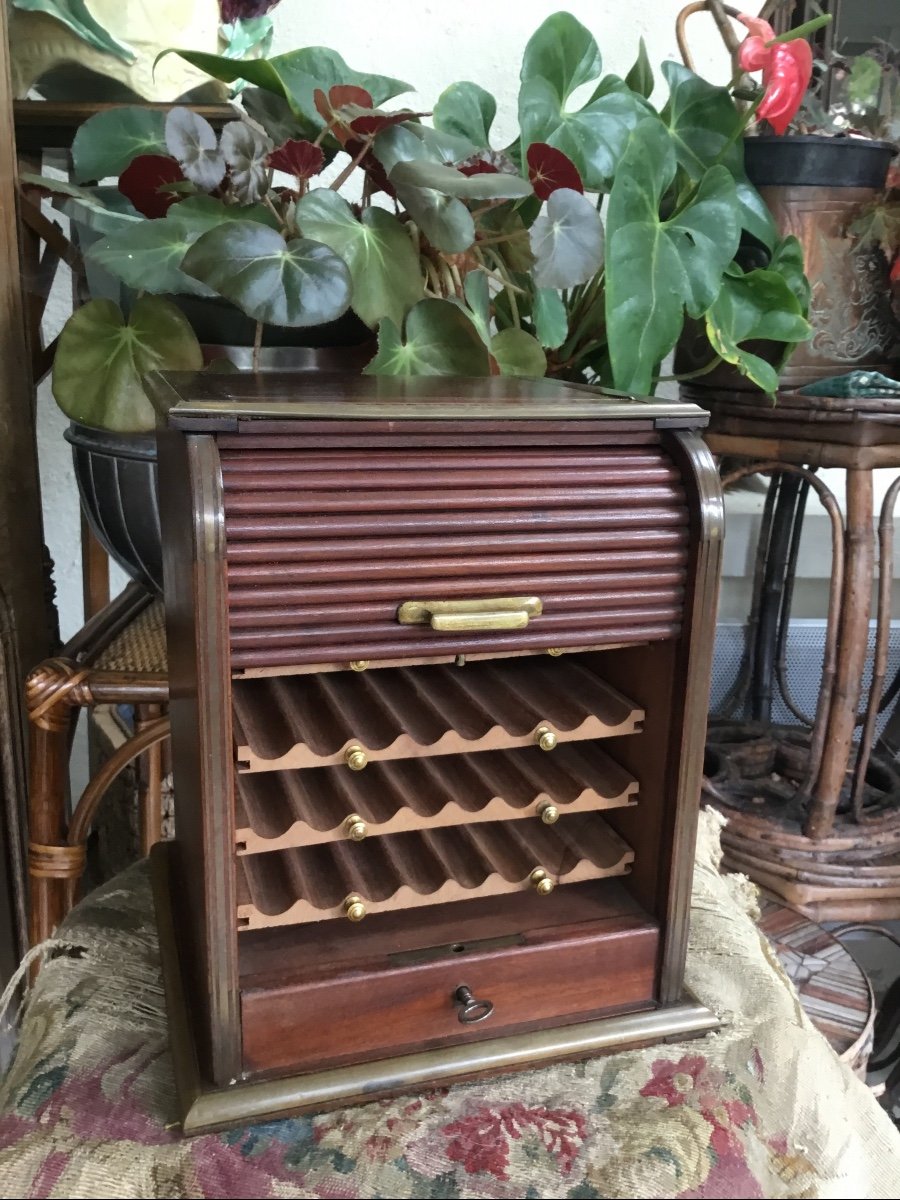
(820, 159)
(575, 252)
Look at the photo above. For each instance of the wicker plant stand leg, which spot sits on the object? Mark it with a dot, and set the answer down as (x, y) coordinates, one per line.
(118, 658)
(814, 808)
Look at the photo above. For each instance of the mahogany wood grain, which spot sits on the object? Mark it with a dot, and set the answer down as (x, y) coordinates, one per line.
(200, 711)
(311, 720)
(280, 809)
(353, 993)
(499, 645)
(424, 868)
(651, 571)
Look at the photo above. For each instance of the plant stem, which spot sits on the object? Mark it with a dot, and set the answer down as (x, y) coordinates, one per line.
(683, 378)
(801, 31)
(352, 165)
(257, 345)
(502, 237)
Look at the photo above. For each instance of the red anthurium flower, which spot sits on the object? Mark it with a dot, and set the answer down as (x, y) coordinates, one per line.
(786, 68)
(142, 180)
(297, 157)
(549, 169)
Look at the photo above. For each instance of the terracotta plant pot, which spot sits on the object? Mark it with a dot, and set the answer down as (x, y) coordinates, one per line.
(815, 188)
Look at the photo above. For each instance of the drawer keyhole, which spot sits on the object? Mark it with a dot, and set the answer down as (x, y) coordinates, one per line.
(471, 1010)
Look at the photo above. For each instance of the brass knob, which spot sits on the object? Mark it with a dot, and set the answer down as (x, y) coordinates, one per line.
(554, 651)
(355, 758)
(545, 737)
(355, 827)
(541, 881)
(354, 907)
(359, 664)
(548, 813)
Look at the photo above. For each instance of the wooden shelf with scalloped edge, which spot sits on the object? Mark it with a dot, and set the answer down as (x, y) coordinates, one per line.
(412, 870)
(277, 810)
(286, 722)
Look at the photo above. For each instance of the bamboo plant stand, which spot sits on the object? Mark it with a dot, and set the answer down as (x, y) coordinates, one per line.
(118, 657)
(814, 811)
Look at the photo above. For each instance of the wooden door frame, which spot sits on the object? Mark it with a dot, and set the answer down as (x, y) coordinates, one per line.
(24, 605)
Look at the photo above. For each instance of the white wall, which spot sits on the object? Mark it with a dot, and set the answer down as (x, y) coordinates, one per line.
(429, 44)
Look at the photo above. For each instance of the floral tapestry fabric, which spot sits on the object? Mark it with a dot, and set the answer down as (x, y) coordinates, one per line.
(762, 1108)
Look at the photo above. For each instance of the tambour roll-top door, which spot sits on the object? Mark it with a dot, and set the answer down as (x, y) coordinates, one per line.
(329, 551)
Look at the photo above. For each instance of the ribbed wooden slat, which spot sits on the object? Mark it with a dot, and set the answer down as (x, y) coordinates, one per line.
(276, 810)
(292, 615)
(260, 528)
(365, 499)
(325, 528)
(410, 870)
(662, 570)
(444, 646)
(500, 566)
(311, 720)
(581, 623)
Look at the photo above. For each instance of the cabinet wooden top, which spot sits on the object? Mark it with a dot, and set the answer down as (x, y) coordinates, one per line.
(224, 402)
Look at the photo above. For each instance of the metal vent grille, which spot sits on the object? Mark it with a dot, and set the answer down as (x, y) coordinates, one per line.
(805, 652)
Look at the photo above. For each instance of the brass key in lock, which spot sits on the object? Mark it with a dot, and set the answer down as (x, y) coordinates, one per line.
(470, 1010)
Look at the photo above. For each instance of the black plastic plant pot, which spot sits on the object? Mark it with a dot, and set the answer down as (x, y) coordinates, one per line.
(116, 476)
(811, 160)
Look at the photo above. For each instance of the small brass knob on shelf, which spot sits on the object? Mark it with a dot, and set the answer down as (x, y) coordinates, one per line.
(355, 827)
(548, 813)
(359, 664)
(354, 907)
(545, 737)
(554, 651)
(355, 758)
(541, 881)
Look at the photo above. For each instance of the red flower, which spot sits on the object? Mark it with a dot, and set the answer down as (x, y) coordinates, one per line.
(786, 69)
(142, 179)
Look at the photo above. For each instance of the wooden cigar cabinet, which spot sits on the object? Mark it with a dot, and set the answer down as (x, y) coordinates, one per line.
(439, 659)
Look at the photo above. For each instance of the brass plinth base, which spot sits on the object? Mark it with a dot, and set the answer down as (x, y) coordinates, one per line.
(205, 1109)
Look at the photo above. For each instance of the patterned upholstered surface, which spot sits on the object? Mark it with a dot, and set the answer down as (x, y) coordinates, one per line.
(763, 1108)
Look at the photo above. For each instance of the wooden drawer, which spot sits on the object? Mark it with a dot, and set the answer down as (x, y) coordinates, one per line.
(323, 548)
(352, 994)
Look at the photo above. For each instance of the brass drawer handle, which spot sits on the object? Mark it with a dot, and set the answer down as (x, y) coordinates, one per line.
(470, 1009)
(471, 616)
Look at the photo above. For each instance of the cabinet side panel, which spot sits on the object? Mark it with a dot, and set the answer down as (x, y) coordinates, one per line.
(671, 681)
(199, 679)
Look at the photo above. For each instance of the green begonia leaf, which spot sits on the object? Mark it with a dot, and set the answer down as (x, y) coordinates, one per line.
(108, 141)
(383, 264)
(518, 353)
(101, 360)
(439, 339)
(296, 283)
